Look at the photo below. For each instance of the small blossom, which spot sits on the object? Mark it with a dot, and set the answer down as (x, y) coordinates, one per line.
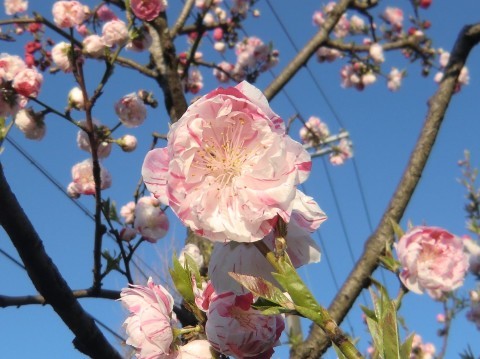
(219, 46)
(76, 99)
(131, 110)
(115, 33)
(13, 7)
(127, 234)
(150, 221)
(433, 260)
(147, 10)
(394, 16)
(103, 147)
(150, 324)
(314, 132)
(68, 13)
(27, 82)
(208, 19)
(223, 73)
(60, 56)
(441, 318)
(194, 81)
(328, 54)
(128, 212)
(105, 14)
(234, 328)
(394, 79)
(196, 349)
(83, 181)
(194, 252)
(72, 191)
(93, 45)
(376, 53)
(128, 143)
(31, 124)
(218, 34)
(341, 153)
(357, 25)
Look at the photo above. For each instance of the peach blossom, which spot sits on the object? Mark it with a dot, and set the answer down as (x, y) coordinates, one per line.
(131, 110)
(147, 10)
(68, 13)
(115, 33)
(32, 125)
(83, 181)
(13, 7)
(150, 220)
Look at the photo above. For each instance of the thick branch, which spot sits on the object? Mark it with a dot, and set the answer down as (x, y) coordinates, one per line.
(358, 279)
(18, 301)
(47, 279)
(304, 54)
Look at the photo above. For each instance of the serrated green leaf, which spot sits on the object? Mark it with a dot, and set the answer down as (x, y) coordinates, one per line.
(291, 283)
(369, 313)
(390, 263)
(391, 341)
(192, 267)
(376, 335)
(406, 347)
(264, 289)
(182, 280)
(112, 212)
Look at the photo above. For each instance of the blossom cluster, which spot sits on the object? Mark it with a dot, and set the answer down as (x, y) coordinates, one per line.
(18, 82)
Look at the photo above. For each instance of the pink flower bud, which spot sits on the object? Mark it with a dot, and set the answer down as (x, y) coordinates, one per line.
(83, 181)
(128, 143)
(218, 34)
(219, 46)
(27, 82)
(131, 110)
(127, 234)
(128, 212)
(150, 221)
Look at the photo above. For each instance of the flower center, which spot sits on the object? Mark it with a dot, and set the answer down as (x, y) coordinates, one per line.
(223, 154)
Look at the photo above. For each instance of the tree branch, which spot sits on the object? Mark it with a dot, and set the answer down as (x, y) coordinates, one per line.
(187, 8)
(18, 301)
(358, 279)
(47, 279)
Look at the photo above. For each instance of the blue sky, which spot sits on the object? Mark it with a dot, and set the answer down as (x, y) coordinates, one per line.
(383, 127)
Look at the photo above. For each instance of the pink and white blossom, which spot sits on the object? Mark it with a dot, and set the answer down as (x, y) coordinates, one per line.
(68, 13)
(193, 251)
(394, 16)
(128, 212)
(223, 74)
(196, 349)
(27, 82)
(131, 110)
(83, 142)
(432, 260)
(220, 46)
(10, 66)
(357, 25)
(421, 350)
(149, 326)
(147, 10)
(13, 7)
(94, 45)
(194, 81)
(357, 75)
(245, 258)
(115, 33)
(60, 56)
(76, 99)
(328, 54)
(150, 220)
(395, 78)
(31, 124)
(376, 53)
(155, 173)
(104, 13)
(83, 181)
(340, 153)
(314, 132)
(234, 328)
(231, 168)
(128, 233)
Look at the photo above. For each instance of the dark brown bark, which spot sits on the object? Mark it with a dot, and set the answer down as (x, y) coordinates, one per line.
(47, 279)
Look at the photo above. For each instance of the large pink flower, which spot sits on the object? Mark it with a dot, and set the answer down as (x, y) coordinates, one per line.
(245, 258)
(231, 168)
(149, 326)
(433, 260)
(234, 328)
(147, 10)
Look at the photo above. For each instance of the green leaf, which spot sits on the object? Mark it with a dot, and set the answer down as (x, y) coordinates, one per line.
(369, 313)
(264, 289)
(376, 334)
(182, 279)
(406, 347)
(292, 283)
(397, 229)
(112, 212)
(391, 341)
(192, 267)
